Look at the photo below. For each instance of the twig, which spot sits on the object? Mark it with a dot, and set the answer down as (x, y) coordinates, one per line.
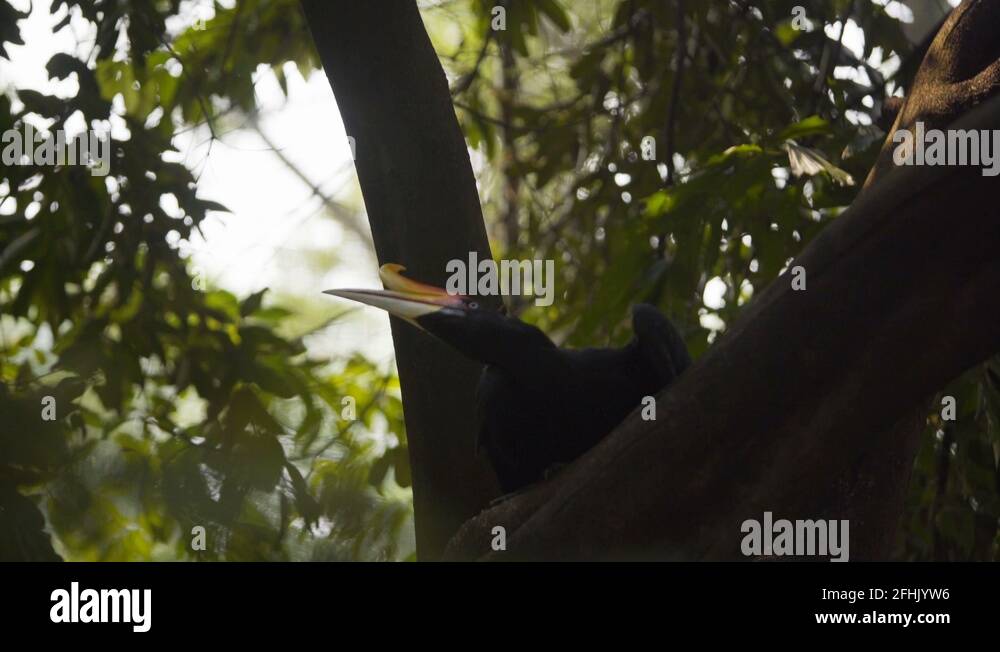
(463, 84)
(339, 211)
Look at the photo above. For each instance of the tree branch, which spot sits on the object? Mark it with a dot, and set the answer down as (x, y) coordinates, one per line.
(811, 405)
(344, 216)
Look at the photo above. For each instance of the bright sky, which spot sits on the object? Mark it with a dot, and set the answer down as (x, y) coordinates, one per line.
(276, 227)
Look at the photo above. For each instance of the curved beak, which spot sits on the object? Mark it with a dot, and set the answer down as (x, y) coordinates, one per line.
(403, 297)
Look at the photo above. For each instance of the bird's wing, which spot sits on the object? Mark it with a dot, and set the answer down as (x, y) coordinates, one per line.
(490, 397)
(501, 431)
(660, 342)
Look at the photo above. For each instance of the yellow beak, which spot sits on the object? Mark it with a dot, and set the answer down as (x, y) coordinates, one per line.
(403, 297)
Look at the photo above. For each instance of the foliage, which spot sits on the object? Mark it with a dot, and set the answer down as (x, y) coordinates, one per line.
(758, 126)
(177, 407)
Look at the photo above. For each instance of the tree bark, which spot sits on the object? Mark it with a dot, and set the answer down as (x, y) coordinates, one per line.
(811, 405)
(420, 194)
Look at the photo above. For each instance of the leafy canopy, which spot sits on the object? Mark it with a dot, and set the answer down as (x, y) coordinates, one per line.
(177, 406)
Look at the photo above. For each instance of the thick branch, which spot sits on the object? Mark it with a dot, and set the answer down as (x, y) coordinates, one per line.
(810, 406)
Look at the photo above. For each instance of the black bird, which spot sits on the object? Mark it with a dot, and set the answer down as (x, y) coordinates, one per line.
(538, 406)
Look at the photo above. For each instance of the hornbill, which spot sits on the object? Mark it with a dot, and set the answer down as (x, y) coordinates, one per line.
(538, 406)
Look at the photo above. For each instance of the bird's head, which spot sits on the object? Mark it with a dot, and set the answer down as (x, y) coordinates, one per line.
(466, 323)
(411, 300)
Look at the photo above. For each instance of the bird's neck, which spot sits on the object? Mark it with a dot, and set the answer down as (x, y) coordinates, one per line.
(523, 351)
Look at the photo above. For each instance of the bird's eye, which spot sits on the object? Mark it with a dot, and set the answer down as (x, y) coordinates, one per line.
(473, 305)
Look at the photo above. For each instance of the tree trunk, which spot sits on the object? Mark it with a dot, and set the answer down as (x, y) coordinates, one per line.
(424, 210)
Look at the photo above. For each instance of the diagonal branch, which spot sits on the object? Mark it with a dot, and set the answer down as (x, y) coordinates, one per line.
(811, 405)
(344, 215)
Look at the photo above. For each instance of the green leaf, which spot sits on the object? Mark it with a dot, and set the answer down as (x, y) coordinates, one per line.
(252, 303)
(555, 13)
(401, 466)
(9, 31)
(378, 470)
(22, 530)
(811, 126)
(304, 500)
(209, 205)
(47, 106)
